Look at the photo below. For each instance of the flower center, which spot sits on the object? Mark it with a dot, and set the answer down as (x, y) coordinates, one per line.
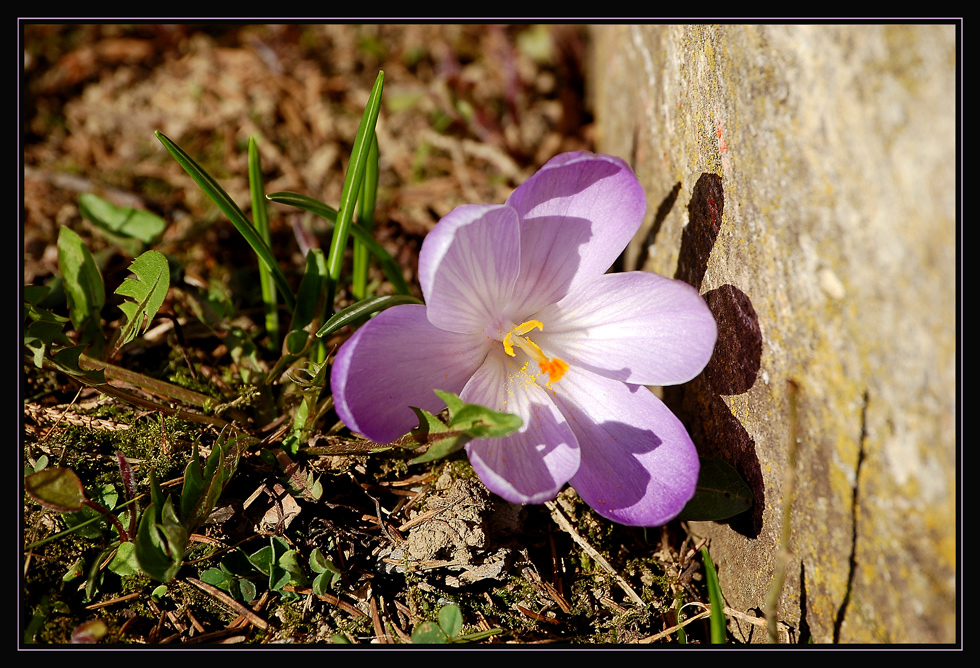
(554, 367)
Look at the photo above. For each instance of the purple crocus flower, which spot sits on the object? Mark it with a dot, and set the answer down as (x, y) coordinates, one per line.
(521, 317)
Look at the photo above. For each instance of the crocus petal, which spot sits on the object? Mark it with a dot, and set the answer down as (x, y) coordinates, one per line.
(637, 327)
(468, 266)
(577, 212)
(639, 466)
(532, 464)
(395, 361)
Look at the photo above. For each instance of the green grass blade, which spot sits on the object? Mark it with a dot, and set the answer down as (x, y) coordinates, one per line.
(260, 218)
(306, 203)
(316, 207)
(718, 623)
(362, 309)
(234, 213)
(352, 186)
(365, 218)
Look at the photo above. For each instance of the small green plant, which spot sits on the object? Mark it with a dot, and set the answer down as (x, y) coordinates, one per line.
(156, 548)
(447, 629)
(718, 622)
(466, 422)
(279, 564)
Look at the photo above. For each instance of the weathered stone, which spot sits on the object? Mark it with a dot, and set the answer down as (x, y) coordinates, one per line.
(804, 178)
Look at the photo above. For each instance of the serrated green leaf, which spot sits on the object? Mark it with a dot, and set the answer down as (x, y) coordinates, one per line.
(40, 336)
(452, 401)
(147, 292)
(466, 422)
(721, 493)
(483, 422)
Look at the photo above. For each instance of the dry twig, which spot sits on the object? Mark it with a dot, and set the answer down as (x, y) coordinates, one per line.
(563, 522)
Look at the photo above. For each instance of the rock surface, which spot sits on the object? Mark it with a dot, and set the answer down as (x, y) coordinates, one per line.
(804, 178)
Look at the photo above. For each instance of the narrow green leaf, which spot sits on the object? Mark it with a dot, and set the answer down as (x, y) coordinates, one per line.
(352, 186)
(310, 302)
(234, 213)
(718, 623)
(363, 309)
(147, 292)
(193, 488)
(306, 203)
(388, 264)
(260, 218)
(365, 218)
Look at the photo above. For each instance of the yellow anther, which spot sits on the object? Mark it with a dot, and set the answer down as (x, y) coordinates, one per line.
(526, 327)
(555, 368)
